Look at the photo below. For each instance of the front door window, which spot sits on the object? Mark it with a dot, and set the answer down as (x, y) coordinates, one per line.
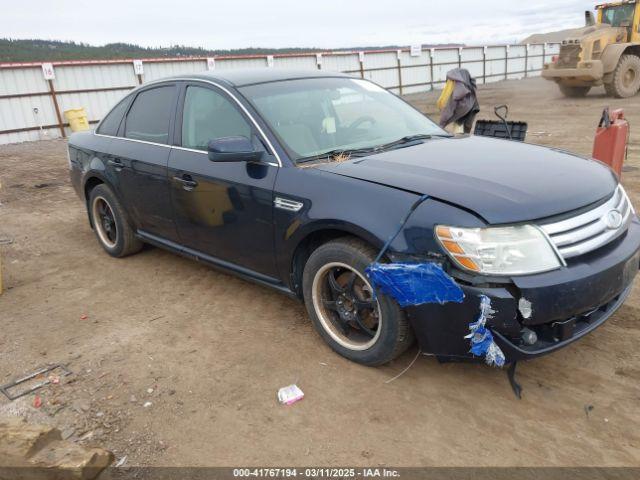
(207, 116)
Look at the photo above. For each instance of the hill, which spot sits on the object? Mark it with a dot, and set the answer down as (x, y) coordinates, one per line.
(33, 50)
(550, 37)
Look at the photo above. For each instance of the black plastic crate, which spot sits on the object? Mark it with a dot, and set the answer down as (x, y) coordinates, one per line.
(497, 129)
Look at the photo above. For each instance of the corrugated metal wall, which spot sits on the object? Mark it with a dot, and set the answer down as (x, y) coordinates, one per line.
(28, 101)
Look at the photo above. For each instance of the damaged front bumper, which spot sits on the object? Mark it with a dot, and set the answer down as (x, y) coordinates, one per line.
(565, 305)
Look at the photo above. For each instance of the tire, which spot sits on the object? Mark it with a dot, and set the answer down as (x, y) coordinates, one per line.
(574, 92)
(626, 78)
(388, 333)
(110, 223)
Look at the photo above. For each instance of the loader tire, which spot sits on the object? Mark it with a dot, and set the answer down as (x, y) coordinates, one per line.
(626, 78)
(574, 92)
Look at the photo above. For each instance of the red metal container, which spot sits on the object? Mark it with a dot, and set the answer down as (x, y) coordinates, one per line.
(610, 143)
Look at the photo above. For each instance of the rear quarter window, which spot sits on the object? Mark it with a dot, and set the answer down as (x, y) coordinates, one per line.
(111, 122)
(148, 117)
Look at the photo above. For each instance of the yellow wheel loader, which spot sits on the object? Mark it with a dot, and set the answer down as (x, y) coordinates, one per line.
(605, 52)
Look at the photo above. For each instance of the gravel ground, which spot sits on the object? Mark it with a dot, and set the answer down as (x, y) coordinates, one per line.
(177, 364)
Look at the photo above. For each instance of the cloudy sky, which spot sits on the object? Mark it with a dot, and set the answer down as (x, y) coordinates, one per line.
(284, 23)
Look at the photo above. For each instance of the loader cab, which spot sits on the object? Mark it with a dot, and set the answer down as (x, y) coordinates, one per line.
(622, 15)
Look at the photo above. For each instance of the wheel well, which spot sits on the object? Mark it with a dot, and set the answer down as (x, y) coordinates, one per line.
(633, 50)
(90, 184)
(306, 247)
(612, 55)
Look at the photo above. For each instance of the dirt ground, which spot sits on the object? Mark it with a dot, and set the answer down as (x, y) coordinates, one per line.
(206, 352)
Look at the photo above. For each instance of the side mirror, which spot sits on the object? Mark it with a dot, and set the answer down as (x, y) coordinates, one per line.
(233, 149)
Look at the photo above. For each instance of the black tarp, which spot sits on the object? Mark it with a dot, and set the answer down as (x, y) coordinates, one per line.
(462, 106)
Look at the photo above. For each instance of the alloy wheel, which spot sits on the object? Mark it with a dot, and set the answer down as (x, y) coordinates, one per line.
(105, 223)
(345, 304)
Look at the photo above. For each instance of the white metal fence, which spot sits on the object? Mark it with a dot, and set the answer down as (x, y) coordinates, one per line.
(32, 106)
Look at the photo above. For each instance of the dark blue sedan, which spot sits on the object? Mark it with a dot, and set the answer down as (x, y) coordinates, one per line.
(331, 189)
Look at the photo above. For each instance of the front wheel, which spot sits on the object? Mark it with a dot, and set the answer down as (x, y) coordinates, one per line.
(626, 77)
(367, 329)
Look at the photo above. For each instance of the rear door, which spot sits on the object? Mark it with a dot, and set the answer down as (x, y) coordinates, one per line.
(140, 155)
(223, 210)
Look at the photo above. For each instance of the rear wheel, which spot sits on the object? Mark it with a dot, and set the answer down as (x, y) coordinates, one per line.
(340, 301)
(574, 92)
(110, 223)
(626, 77)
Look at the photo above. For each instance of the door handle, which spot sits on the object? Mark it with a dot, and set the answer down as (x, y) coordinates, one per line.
(116, 163)
(188, 183)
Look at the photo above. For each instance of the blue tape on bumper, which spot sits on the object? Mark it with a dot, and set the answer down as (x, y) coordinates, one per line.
(481, 338)
(415, 283)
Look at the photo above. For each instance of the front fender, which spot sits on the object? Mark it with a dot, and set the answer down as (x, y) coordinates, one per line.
(611, 55)
(370, 211)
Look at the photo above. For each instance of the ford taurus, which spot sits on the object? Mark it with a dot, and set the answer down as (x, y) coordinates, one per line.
(296, 180)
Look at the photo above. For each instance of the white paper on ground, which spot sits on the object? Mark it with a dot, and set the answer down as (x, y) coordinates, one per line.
(290, 394)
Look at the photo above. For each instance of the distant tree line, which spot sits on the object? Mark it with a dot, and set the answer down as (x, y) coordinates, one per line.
(33, 50)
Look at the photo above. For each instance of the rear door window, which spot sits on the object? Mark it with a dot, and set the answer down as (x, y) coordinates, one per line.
(149, 116)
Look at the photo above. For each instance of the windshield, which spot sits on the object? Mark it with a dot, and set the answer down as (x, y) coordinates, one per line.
(316, 116)
(619, 16)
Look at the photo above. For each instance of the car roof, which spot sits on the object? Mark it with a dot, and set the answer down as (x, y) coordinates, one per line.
(243, 77)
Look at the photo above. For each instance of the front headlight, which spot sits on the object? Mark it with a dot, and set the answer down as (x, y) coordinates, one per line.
(517, 250)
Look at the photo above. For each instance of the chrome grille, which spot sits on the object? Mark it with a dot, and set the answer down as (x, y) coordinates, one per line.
(569, 55)
(593, 229)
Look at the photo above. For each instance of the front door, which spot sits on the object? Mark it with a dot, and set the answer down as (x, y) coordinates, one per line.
(222, 209)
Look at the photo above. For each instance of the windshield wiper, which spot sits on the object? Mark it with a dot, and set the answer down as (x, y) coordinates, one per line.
(361, 152)
(349, 152)
(411, 139)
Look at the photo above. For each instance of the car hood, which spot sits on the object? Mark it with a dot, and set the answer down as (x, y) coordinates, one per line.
(500, 180)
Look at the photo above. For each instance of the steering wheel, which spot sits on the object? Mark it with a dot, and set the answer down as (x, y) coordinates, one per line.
(360, 120)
